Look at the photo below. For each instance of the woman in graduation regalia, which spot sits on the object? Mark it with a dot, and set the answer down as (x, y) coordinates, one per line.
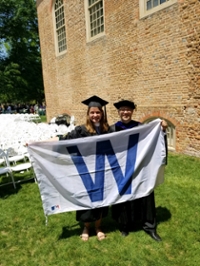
(96, 124)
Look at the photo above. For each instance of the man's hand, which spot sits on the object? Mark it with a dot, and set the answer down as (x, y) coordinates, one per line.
(164, 125)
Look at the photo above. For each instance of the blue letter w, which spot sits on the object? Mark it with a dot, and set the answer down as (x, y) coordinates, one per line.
(95, 189)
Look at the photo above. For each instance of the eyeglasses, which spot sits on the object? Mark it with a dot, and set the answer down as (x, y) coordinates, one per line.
(122, 110)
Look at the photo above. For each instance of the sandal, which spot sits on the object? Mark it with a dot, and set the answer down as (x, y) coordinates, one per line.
(100, 234)
(85, 234)
(84, 237)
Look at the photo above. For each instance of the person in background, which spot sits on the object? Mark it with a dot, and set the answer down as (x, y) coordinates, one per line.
(1, 109)
(19, 107)
(36, 108)
(31, 109)
(96, 124)
(125, 213)
(9, 109)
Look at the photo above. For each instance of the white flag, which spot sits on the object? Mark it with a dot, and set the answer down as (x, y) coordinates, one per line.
(98, 171)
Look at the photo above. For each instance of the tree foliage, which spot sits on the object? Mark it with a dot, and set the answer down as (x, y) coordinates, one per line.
(20, 60)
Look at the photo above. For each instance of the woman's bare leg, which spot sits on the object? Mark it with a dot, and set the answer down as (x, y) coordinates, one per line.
(100, 234)
(85, 234)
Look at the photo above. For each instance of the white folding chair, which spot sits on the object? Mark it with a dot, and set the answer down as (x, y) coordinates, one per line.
(20, 167)
(2, 161)
(6, 169)
(14, 157)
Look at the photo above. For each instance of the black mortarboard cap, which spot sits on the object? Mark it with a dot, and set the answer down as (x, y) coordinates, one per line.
(95, 101)
(125, 103)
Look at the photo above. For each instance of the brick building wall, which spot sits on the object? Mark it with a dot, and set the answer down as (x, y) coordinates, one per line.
(154, 61)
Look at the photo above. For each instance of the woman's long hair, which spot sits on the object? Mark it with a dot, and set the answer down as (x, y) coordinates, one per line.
(103, 123)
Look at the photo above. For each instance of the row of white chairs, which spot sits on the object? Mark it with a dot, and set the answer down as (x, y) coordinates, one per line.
(22, 117)
(6, 168)
(16, 133)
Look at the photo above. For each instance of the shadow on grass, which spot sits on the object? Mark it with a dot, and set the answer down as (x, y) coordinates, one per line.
(162, 214)
(7, 189)
(68, 231)
(108, 225)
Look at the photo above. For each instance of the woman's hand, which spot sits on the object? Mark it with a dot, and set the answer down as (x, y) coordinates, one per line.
(51, 139)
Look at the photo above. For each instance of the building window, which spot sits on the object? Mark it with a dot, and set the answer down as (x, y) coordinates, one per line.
(59, 14)
(153, 3)
(147, 7)
(171, 136)
(94, 18)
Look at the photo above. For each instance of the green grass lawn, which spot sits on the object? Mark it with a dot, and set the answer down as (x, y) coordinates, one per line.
(43, 118)
(26, 240)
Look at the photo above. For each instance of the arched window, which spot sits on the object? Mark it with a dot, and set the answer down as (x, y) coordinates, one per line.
(171, 132)
(171, 136)
(59, 22)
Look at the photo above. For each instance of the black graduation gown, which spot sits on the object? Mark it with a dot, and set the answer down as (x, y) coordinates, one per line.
(130, 212)
(89, 215)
